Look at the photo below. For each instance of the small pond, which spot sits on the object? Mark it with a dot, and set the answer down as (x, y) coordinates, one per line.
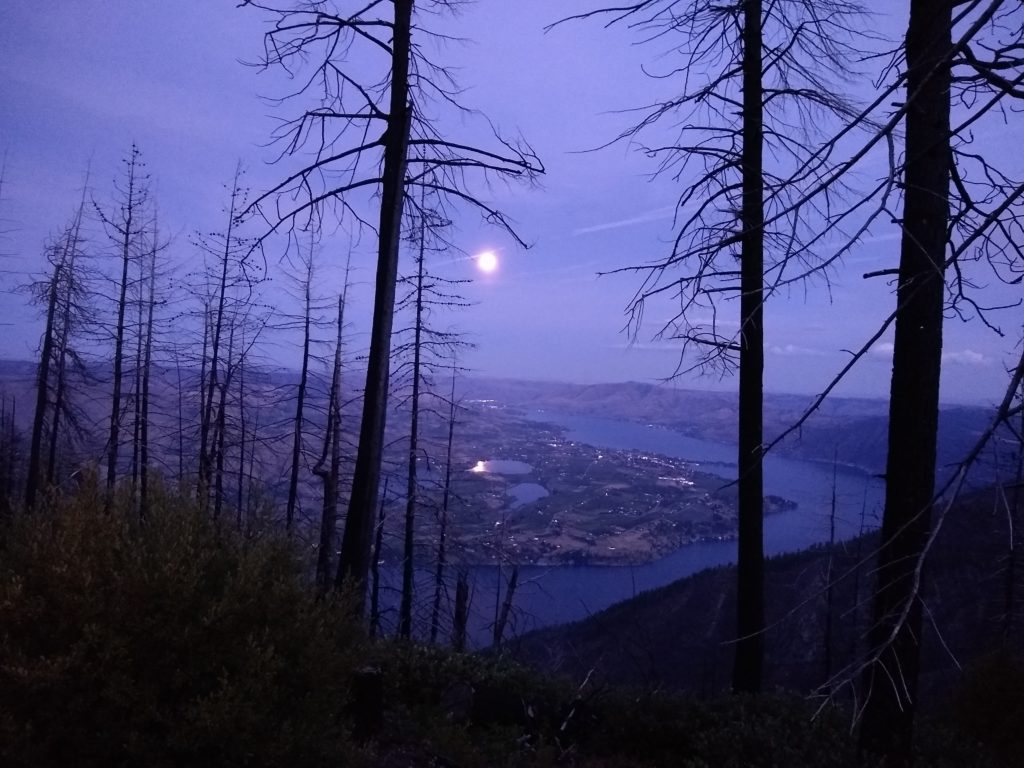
(525, 493)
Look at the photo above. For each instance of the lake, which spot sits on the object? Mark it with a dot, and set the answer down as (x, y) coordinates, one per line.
(553, 595)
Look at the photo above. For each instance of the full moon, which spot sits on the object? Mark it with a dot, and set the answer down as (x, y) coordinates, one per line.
(487, 261)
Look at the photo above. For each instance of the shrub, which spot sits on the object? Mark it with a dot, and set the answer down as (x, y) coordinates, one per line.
(163, 643)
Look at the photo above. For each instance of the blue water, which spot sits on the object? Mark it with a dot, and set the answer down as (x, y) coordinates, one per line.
(526, 493)
(552, 595)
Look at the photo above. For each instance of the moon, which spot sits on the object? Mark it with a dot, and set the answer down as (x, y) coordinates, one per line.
(487, 261)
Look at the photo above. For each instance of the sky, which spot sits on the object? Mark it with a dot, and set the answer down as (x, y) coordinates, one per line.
(83, 79)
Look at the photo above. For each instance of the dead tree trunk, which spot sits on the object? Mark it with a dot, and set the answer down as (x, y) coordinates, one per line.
(750, 561)
(124, 230)
(355, 545)
(42, 387)
(331, 456)
(213, 336)
(375, 566)
(300, 397)
(411, 488)
(891, 677)
(435, 613)
(147, 366)
(220, 439)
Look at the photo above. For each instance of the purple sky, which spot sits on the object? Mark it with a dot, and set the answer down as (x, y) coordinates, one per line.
(84, 79)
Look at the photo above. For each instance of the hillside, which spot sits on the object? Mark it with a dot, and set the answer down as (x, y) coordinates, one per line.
(856, 428)
(678, 637)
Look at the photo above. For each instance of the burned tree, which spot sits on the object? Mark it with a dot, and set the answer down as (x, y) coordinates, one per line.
(363, 125)
(126, 227)
(756, 78)
(328, 467)
(422, 351)
(64, 294)
(942, 204)
(229, 280)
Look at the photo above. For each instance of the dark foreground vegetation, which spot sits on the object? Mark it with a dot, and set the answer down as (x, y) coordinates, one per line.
(170, 641)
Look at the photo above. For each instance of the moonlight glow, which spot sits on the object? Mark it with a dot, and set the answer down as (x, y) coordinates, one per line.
(487, 261)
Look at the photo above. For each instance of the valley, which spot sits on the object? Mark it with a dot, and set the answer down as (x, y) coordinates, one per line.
(533, 496)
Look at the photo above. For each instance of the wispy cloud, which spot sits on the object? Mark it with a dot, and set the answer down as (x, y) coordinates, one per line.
(966, 357)
(882, 350)
(792, 350)
(657, 214)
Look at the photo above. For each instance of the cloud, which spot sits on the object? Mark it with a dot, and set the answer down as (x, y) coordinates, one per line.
(792, 350)
(882, 350)
(966, 357)
(642, 218)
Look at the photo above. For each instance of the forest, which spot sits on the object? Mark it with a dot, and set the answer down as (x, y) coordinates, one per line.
(233, 498)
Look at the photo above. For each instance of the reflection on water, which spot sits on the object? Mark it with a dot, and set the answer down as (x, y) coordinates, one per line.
(502, 467)
(551, 595)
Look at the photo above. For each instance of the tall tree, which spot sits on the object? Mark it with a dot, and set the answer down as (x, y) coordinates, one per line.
(442, 535)
(356, 542)
(361, 124)
(126, 228)
(307, 322)
(891, 681)
(230, 277)
(756, 76)
(328, 468)
(750, 560)
(147, 289)
(59, 292)
(425, 352)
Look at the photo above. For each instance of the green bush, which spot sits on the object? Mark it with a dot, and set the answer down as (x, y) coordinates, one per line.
(164, 643)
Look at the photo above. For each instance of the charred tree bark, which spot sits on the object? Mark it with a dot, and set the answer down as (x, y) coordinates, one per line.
(1013, 520)
(220, 435)
(747, 667)
(330, 476)
(375, 567)
(891, 679)
(242, 429)
(126, 233)
(215, 329)
(355, 546)
(42, 388)
(411, 488)
(68, 311)
(300, 399)
(147, 366)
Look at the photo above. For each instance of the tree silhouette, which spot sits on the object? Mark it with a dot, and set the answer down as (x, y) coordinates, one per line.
(126, 229)
(63, 296)
(755, 79)
(362, 130)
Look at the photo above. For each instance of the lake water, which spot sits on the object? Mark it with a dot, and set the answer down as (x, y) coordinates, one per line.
(552, 595)
(525, 493)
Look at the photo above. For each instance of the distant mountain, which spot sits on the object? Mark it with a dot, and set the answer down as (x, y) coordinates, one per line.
(855, 428)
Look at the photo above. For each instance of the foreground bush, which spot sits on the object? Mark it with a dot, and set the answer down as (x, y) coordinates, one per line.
(164, 643)
(171, 643)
